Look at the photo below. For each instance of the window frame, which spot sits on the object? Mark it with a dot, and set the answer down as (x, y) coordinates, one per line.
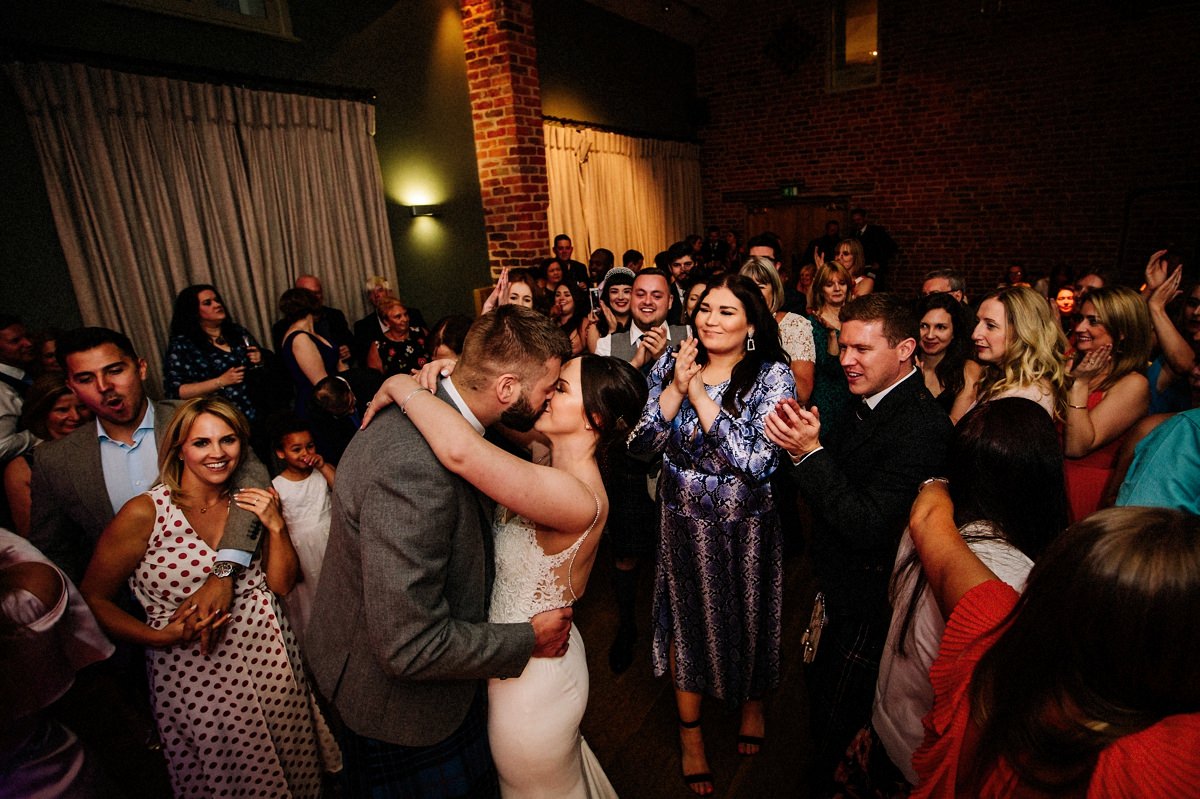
(276, 20)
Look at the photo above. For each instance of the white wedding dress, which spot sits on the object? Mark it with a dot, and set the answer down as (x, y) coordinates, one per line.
(533, 720)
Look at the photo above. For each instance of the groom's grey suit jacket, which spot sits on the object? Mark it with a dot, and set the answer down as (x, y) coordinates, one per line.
(398, 638)
(71, 507)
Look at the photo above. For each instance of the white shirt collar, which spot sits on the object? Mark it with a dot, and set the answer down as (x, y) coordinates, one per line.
(461, 404)
(874, 400)
(12, 371)
(635, 332)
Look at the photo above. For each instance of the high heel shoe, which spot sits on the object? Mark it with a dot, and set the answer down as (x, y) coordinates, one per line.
(696, 782)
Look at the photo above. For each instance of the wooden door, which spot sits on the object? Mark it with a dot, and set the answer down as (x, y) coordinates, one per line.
(796, 224)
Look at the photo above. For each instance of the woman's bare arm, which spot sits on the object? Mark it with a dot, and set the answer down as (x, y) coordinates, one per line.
(803, 372)
(950, 566)
(547, 496)
(972, 371)
(1123, 405)
(308, 358)
(17, 478)
(118, 552)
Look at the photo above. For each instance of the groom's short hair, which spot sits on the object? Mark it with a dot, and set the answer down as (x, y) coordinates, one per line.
(511, 338)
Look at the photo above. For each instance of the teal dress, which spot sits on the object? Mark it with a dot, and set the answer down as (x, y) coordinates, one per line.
(831, 392)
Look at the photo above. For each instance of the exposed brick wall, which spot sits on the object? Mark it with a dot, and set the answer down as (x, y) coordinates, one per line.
(506, 110)
(1012, 134)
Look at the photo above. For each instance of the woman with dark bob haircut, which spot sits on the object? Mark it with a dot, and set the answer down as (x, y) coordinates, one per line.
(208, 352)
(718, 586)
(1086, 684)
(310, 358)
(1005, 472)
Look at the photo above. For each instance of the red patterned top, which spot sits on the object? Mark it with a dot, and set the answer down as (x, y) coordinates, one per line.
(1162, 761)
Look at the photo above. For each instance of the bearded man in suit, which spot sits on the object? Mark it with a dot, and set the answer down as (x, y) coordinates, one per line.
(860, 484)
(399, 641)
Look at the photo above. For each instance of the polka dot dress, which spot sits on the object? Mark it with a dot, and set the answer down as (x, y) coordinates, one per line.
(241, 722)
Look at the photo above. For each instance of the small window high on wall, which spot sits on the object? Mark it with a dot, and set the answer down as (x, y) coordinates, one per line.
(854, 45)
(265, 16)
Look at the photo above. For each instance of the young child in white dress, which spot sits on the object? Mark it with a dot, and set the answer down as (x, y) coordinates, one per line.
(305, 488)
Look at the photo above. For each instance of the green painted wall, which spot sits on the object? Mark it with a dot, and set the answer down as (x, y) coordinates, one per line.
(409, 53)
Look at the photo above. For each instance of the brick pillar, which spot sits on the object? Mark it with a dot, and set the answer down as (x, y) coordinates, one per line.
(506, 108)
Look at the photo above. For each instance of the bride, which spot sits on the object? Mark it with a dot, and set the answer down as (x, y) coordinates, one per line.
(547, 526)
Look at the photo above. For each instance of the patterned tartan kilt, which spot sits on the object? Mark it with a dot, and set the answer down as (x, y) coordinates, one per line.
(460, 766)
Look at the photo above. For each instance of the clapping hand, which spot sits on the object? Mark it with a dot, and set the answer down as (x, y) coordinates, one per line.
(499, 295)
(650, 346)
(1156, 270)
(1167, 290)
(687, 370)
(794, 428)
(609, 316)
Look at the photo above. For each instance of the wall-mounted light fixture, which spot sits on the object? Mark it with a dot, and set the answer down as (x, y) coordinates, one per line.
(425, 210)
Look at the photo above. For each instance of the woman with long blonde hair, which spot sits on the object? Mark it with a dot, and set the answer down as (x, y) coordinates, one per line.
(1022, 349)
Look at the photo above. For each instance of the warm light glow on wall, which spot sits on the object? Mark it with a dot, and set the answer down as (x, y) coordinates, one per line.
(414, 182)
(427, 235)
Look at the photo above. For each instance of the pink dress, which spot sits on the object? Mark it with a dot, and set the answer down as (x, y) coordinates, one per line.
(1087, 477)
(242, 721)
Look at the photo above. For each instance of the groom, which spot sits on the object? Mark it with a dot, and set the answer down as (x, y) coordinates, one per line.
(399, 641)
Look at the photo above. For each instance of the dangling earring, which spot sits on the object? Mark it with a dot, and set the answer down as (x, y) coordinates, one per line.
(750, 345)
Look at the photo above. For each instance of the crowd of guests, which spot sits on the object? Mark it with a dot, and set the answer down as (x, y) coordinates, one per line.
(981, 626)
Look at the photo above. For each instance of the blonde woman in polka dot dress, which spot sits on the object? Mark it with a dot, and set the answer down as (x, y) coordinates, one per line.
(235, 712)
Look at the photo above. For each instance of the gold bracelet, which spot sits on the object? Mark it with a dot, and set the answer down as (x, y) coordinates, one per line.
(1077, 407)
(415, 392)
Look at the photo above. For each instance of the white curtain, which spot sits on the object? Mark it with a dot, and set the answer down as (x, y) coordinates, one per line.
(621, 192)
(156, 184)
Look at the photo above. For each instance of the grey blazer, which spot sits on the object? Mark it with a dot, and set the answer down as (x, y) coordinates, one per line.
(399, 637)
(71, 507)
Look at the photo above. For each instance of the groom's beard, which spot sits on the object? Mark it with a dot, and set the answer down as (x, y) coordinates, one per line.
(520, 416)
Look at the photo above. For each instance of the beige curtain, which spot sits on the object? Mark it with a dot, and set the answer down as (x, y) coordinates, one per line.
(621, 192)
(156, 184)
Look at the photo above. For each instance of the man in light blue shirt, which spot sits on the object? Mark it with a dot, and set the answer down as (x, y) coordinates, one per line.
(129, 468)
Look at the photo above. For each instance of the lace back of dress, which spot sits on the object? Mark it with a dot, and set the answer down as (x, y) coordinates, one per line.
(528, 581)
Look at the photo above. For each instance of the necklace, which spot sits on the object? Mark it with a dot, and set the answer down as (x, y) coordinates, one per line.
(204, 508)
(219, 340)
